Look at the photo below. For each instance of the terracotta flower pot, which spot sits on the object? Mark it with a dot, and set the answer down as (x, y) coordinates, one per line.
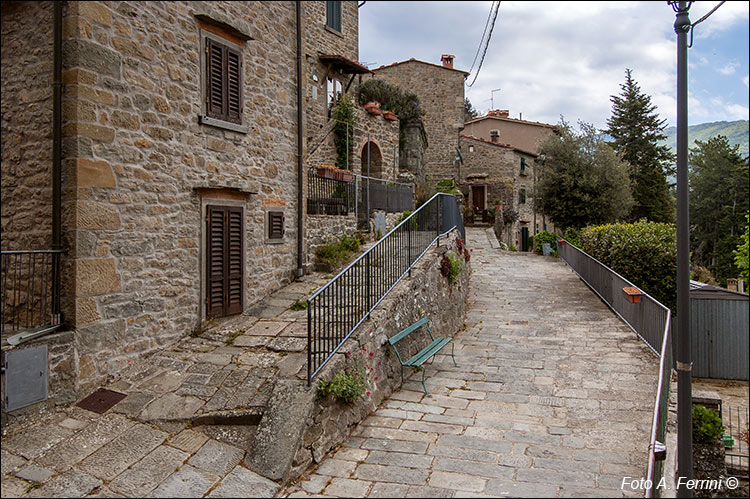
(390, 116)
(373, 108)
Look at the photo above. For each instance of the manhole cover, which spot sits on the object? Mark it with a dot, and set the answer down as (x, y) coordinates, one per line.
(519, 322)
(101, 400)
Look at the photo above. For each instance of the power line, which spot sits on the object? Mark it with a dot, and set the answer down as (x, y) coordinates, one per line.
(487, 44)
(479, 47)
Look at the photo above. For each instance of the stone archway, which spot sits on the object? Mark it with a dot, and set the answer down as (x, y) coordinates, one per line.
(372, 150)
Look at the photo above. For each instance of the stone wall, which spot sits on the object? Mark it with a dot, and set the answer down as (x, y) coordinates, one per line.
(441, 95)
(26, 176)
(320, 229)
(283, 447)
(498, 168)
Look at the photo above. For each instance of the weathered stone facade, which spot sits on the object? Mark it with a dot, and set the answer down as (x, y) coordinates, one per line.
(142, 162)
(26, 125)
(441, 94)
(494, 171)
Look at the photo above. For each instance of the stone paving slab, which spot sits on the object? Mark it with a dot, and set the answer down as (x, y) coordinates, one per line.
(552, 397)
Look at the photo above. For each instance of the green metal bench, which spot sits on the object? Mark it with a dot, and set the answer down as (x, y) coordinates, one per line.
(423, 355)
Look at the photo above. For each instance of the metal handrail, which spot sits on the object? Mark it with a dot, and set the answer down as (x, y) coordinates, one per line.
(366, 281)
(658, 421)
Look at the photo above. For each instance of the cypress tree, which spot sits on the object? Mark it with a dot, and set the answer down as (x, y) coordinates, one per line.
(636, 129)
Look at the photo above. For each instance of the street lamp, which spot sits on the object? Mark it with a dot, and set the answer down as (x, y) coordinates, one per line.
(682, 27)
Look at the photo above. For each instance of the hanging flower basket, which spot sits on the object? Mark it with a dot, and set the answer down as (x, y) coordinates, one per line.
(634, 294)
(390, 116)
(346, 175)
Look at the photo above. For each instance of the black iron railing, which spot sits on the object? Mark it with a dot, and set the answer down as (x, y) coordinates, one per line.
(329, 196)
(650, 320)
(30, 296)
(336, 310)
(379, 194)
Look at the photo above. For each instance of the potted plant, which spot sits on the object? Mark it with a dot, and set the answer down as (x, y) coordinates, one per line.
(390, 116)
(373, 107)
(346, 175)
(327, 171)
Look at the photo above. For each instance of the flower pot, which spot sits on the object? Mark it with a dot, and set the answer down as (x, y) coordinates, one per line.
(633, 294)
(326, 172)
(390, 116)
(373, 108)
(346, 175)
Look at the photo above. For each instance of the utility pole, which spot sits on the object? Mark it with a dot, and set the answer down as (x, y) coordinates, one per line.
(684, 361)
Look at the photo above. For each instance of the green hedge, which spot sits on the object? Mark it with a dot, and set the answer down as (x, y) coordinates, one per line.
(645, 253)
(545, 237)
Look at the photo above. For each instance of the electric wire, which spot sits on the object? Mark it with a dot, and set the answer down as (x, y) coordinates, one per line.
(487, 44)
(479, 47)
(693, 25)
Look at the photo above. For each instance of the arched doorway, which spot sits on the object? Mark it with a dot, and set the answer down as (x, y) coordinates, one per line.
(371, 151)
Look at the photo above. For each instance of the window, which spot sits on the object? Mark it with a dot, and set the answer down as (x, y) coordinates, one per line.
(494, 135)
(276, 221)
(333, 15)
(222, 83)
(522, 196)
(471, 148)
(334, 90)
(224, 260)
(523, 166)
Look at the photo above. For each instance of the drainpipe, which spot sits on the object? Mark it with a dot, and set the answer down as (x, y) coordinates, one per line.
(57, 151)
(300, 171)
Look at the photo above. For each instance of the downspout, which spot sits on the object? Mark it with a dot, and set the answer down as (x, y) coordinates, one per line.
(300, 171)
(57, 151)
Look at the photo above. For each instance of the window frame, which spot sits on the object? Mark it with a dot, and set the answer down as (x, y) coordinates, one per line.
(204, 118)
(331, 8)
(336, 96)
(271, 238)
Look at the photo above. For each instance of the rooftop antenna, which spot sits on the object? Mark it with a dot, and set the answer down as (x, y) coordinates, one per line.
(492, 97)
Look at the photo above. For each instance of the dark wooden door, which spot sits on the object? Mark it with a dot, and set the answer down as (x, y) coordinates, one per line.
(477, 197)
(224, 260)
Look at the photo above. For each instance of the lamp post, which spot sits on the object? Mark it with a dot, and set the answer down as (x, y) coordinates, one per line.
(684, 362)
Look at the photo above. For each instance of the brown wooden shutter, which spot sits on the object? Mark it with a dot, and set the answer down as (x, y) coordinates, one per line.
(215, 80)
(275, 224)
(234, 86)
(235, 258)
(224, 261)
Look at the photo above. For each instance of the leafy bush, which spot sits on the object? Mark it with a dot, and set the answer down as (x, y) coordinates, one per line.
(350, 383)
(707, 427)
(447, 187)
(573, 236)
(645, 253)
(345, 117)
(336, 253)
(545, 237)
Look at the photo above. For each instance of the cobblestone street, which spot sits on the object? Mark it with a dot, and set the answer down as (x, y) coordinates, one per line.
(552, 398)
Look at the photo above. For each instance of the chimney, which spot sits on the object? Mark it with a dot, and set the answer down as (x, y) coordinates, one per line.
(494, 135)
(500, 113)
(447, 60)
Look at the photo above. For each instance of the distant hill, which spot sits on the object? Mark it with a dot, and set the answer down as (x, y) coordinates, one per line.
(737, 132)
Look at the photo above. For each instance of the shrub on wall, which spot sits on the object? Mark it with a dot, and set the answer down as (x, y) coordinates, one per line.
(545, 237)
(645, 253)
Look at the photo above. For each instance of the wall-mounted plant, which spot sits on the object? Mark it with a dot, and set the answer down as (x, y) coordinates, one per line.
(451, 267)
(350, 383)
(343, 130)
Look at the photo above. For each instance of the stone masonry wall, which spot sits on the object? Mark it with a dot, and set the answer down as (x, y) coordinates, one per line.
(283, 447)
(320, 229)
(502, 165)
(441, 94)
(139, 167)
(26, 176)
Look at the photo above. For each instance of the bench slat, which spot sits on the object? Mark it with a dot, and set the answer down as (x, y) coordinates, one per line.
(400, 336)
(427, 352)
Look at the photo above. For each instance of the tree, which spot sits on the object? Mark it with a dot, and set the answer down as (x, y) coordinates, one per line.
(583, 181)
(636, 130)
(469, 112)
(718, 202)
(741, 253)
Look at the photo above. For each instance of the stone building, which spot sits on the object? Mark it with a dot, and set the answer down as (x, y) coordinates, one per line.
(495, 174)
(179, 150)
(440, 89)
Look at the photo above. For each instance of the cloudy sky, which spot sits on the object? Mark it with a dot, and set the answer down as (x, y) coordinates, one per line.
(567, 58)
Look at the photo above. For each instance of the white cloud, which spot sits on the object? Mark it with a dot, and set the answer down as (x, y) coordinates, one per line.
(745, 80)
(552, 58)
(729, 68)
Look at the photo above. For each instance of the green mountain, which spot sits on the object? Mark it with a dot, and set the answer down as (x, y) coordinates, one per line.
(736, 131)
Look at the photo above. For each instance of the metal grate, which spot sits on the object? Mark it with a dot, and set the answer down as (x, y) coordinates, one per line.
(101, 400)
